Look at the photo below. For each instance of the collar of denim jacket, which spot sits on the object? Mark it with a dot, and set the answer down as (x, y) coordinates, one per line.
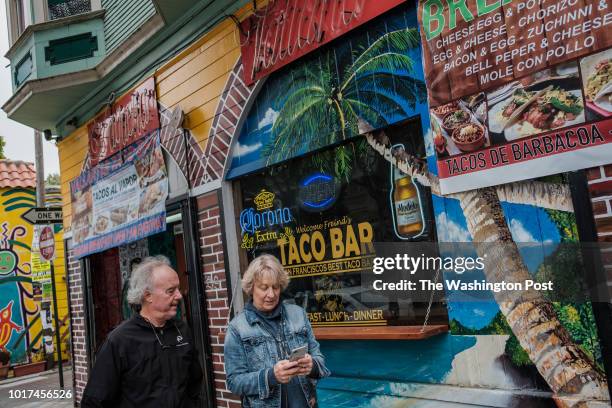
(253, 317)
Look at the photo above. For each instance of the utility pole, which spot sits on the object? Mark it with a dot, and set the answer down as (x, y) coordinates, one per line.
(40, 202)
(40, 168)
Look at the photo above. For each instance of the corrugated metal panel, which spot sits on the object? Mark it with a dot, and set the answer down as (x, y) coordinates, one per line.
(123, 18)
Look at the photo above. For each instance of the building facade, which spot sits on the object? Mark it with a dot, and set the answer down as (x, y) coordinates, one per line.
(26, 298)
(325, 157)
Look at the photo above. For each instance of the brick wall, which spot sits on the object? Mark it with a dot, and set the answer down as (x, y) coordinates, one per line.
(600, 188)
(213, 269)
(77, 323)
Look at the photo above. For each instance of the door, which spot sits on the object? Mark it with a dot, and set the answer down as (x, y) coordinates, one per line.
(106, 293)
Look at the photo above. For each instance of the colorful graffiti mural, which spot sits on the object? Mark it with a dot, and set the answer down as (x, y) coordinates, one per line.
(21, 328)
(16, 285)
(7, 325)
(498, 343)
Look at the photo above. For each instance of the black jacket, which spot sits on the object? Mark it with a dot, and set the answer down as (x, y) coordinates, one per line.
(132, 369)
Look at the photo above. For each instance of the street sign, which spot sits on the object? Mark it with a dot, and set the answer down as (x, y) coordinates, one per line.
(47, 243)
(43, 215)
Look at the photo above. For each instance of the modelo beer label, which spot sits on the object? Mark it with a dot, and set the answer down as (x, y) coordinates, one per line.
(408, 211)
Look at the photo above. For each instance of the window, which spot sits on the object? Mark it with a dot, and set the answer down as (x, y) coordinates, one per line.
(23, 69)
(321, 215)
(66, 8)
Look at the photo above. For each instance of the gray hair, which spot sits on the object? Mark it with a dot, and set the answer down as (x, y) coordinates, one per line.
(142, 278)
(263, 265)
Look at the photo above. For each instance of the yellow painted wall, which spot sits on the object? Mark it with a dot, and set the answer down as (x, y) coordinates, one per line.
(72, 154)
(16, 238)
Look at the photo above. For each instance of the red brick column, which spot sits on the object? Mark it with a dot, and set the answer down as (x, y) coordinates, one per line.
(215, 289)
(77, 325)
(600, 188)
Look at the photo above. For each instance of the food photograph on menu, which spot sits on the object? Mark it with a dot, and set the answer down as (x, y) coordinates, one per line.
(460, 126)
(548, 100)
(597, 84)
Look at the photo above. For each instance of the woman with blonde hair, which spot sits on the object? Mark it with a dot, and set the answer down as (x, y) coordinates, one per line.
(260, 341)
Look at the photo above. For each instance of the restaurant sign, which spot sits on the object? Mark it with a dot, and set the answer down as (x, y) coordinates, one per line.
(285, 30)
(129, 119)
(518, 88)
(323, 226)
(120, 201)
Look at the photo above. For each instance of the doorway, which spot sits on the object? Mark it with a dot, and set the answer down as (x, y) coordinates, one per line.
(106, 294)
(111, 270)
(107, 275)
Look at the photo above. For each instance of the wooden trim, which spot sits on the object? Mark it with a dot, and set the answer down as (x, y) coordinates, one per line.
(378, 332)
(373, 333)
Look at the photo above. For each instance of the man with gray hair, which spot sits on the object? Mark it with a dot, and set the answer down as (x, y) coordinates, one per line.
(148, 360)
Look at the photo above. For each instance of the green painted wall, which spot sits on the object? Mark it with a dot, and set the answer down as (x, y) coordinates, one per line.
(42, 38)
(123, 18)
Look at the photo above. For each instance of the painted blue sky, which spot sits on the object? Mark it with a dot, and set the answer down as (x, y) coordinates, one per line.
(532, 229)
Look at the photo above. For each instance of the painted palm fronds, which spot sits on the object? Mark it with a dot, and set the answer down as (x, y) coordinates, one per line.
(322, 102)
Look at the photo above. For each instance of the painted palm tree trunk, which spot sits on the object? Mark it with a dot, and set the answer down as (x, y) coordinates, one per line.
(566, 368)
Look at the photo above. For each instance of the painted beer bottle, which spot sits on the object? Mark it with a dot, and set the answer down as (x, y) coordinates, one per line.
(405, 204)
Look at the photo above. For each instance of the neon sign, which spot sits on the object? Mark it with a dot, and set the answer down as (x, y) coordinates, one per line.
(318, 192)
(264, 215)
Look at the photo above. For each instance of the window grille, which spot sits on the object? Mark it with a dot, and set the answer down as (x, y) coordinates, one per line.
(66, 8)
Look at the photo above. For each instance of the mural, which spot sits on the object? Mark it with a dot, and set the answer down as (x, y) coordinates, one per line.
(21, 327)
(19, 319)
(525, 350)
(7, 325)
(370, 79)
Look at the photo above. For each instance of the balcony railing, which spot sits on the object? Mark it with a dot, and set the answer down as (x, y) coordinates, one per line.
(66, 8)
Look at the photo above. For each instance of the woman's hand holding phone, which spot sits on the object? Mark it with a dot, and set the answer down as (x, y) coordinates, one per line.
(304, 365)
(285, 370)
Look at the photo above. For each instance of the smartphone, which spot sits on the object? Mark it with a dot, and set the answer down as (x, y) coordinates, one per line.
(298, 353)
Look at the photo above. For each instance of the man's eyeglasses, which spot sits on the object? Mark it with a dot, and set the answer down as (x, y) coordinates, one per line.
(163, 346)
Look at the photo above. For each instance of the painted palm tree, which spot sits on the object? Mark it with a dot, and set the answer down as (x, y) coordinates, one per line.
(571, 374)
(377, 84)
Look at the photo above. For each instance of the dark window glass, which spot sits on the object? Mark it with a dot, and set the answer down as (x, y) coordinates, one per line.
(320, 215)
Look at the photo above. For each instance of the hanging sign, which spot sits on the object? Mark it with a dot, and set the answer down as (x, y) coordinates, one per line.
(120, 201)
(41, 268)
(285, 30)
(129, 119)
(517, 89)
(46, 244)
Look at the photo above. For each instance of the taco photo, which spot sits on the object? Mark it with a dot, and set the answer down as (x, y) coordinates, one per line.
(529, 107)
(597, 84)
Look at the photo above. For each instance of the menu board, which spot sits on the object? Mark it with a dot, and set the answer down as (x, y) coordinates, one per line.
(518, 88)
(120, 201)
(321, 215)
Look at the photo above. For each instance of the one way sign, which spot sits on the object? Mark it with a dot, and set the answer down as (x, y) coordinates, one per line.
(43, 215)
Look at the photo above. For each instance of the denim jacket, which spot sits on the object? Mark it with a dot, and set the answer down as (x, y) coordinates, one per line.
(251, 351)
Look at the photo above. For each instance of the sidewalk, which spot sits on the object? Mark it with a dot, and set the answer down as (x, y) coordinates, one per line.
(47, 381)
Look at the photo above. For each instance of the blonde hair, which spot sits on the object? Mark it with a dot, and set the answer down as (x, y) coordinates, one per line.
(263, 265)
